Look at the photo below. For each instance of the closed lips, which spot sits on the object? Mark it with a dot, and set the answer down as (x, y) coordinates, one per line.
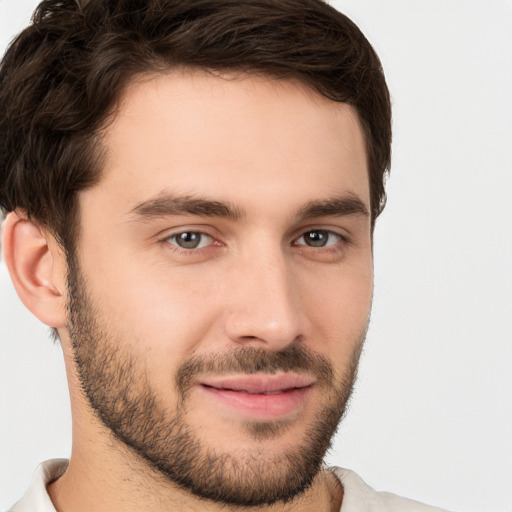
(260, 384)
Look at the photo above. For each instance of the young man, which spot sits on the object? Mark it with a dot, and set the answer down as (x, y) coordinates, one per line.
(191, 189)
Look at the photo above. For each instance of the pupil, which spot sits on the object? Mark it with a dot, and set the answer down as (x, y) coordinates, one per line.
(316, 238)
(188, 240)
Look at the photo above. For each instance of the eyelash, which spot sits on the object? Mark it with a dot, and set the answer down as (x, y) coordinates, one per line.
(338, 246)
(181, 251)
(321, 232)
(195, 233)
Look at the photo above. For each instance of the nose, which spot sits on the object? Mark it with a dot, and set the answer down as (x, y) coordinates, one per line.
(264, 304)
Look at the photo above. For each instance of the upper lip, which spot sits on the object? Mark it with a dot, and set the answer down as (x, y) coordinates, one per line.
(259, 383)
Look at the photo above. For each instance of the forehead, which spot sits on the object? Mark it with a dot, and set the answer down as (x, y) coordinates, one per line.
(232, 137)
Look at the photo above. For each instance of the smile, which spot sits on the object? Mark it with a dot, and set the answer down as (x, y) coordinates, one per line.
(262, 397)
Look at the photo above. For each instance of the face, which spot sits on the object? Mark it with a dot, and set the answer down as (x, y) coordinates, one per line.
(221, 287)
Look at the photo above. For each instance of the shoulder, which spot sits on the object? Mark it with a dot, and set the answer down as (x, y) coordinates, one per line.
(358, 496)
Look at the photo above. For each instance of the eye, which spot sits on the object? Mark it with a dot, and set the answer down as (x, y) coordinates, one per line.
(190, 240)
(319, 238)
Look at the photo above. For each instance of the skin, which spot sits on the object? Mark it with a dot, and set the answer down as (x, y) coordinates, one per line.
(268, 149)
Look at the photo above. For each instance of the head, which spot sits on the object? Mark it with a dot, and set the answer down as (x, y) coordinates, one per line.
(206, 176)
(62, 78)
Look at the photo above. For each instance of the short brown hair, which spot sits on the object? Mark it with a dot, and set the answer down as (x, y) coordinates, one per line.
(61, 77)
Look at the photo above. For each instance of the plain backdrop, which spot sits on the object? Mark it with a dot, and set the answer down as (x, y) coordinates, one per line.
(431, 416)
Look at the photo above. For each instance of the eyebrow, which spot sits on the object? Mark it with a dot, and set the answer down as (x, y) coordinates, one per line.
(335, 207)
(169, 204)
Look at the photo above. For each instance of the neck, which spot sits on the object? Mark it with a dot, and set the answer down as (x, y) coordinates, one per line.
(95, 482)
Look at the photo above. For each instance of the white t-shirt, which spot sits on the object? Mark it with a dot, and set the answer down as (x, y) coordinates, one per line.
(357, 496)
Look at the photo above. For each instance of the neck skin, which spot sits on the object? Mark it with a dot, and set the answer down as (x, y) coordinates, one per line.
(104, 475)
(85, 488)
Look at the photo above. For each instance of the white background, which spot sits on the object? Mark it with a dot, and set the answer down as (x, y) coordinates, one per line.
(432, 414)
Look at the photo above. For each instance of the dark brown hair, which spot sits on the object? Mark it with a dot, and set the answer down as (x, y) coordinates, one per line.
(61, 77)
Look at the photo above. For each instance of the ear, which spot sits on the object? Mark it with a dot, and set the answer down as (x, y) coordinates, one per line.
(37, 267)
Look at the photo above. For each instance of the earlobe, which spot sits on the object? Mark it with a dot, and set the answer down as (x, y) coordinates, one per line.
(37, 268)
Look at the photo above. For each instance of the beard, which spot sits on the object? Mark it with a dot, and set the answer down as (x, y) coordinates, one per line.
(118, 388)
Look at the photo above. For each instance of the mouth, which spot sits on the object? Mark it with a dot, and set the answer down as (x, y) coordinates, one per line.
(260, 396)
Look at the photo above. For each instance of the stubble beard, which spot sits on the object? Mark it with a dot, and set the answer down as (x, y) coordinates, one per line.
(119, 391)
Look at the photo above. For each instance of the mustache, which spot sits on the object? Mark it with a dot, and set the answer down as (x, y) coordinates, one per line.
(250, 360)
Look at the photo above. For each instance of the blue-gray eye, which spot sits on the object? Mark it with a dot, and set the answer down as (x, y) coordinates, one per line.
(318, 238)
(191, 240)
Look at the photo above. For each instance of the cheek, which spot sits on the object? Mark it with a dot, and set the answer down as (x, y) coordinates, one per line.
(339, 309)
(162, 314)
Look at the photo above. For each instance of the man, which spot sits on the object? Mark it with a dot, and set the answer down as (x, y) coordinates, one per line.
(191, 189)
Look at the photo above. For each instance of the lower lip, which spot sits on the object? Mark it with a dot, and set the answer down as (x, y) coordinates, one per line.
(259, 405)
